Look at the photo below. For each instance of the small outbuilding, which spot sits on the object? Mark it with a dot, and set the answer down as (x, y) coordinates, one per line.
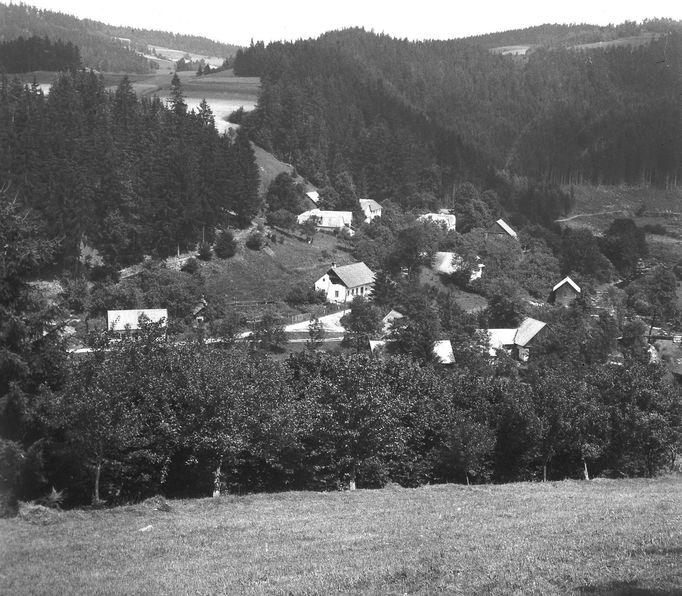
(518, 341)
(565, 292)
(502, 228)
(342, 284)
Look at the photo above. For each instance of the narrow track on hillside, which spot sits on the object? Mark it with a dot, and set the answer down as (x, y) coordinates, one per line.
(577, 215)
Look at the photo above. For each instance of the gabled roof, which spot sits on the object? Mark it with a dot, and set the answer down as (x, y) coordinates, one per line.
(370, 204)
(506, 227)
(527, 330)
(118, 320)
(352, 276)
(567, 280)
(314, 196)
(521, 336)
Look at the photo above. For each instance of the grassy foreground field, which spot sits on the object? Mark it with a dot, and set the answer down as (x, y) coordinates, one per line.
(598, 537)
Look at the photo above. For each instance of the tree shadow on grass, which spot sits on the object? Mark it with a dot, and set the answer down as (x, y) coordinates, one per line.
(631, 588)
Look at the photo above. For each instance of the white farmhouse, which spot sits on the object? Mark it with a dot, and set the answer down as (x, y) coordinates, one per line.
(342, 284)
(370, 208)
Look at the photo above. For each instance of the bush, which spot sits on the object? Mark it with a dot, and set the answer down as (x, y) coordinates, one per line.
(255, 241)
(191, 266)
(225, 246)
(205, 252)
(282, 218)
(304, 295)
(657, 229)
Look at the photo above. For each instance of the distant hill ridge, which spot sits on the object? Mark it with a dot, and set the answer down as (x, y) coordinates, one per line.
(100, 49)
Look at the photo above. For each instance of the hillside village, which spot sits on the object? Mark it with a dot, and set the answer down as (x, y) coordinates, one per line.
(326, 286)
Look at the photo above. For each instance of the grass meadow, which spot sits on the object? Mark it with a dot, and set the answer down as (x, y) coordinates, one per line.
(596, 537)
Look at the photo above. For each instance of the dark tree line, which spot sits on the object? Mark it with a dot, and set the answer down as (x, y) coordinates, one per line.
(129, 176)
(38, 53)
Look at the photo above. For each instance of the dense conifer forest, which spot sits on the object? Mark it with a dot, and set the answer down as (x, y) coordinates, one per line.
(38, 53)
(409, 117)
(132, 176)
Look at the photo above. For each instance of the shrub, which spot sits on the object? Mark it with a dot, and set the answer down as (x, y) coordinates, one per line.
(282, 218)
(205, 252)
(225, 246)
(191, 266)
(255, 241)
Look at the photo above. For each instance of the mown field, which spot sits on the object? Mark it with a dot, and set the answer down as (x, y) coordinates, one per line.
(597, 537)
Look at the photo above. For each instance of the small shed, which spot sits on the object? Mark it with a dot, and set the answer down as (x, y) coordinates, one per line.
(565, 292)
(502, 228)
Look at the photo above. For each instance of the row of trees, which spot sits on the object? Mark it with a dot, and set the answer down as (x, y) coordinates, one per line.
(142, 416)
(131, 176)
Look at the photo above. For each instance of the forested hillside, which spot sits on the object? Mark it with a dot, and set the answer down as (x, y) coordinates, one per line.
(404, 118)
(103, 47)
(132, 176)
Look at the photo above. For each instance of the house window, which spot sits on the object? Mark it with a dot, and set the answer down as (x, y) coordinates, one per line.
(336, 293)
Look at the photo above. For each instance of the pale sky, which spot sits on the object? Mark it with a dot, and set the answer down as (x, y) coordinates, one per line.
(239, 21)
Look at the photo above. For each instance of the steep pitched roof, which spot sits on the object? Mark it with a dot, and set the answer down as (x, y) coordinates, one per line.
(567, 280)
(352, 276)
(506, 227)
(527, 330)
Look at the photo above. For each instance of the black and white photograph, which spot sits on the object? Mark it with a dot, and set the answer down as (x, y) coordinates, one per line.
(307, 298)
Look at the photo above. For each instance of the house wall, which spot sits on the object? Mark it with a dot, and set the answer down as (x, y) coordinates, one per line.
(338, 292)
(564, 295)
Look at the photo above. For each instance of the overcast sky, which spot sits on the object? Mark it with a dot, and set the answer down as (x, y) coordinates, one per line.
(239, 21)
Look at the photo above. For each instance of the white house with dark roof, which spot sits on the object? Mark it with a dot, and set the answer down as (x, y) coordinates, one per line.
(518, 340)
(370, 208)
(502, 228)
(123, 320)
(342, 284)
(565, 292)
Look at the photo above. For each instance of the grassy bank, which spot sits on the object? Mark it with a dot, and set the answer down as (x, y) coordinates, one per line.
(599, 537)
